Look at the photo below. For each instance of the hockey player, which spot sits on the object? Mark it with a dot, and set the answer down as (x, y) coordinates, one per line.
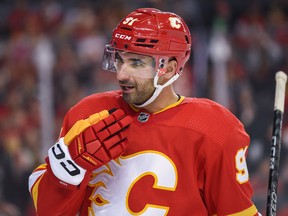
(145, 150)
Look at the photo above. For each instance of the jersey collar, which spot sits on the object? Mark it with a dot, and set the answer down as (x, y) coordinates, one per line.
(166, 108)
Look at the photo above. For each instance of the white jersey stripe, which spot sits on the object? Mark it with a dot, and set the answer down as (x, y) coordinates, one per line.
(33, 178)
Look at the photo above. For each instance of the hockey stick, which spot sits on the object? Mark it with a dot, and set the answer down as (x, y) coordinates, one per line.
(281, 79)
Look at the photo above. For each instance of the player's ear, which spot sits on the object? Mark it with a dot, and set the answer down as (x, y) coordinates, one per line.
(169, 71)
(171, 68)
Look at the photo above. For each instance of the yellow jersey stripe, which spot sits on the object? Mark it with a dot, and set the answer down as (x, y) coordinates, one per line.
(247, 212)
(172, 105)
(35, 191)
(35, 175)
(168, 107)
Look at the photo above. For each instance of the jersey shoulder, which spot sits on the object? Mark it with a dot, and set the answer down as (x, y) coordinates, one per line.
(209, 110)
(207, 117)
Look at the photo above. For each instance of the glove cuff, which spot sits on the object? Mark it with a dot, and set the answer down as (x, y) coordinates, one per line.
(63, 166)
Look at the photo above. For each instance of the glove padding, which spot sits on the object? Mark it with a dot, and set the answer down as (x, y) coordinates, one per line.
(89, 144)
(100, 138)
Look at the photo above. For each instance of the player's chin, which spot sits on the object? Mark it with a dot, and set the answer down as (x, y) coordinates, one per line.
(132, 98)
(128, 97)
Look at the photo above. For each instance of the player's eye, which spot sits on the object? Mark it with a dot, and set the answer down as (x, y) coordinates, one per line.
(118, 58)
(136, 63)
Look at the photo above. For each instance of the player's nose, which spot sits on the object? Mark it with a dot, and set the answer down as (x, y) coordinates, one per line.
(122, 74)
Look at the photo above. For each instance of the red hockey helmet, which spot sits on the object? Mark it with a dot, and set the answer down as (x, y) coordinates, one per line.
(149, 31)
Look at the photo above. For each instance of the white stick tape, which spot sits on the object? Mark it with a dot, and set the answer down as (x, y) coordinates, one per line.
(281, 79)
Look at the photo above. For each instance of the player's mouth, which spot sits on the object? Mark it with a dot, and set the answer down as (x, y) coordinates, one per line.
(127, 88)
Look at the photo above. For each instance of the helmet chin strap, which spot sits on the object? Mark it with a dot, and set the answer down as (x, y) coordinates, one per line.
(158, 89)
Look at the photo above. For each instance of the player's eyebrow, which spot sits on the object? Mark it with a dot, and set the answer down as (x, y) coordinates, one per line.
(136, 59)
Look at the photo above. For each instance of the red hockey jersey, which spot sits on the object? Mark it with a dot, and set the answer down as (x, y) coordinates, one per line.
(188, 159)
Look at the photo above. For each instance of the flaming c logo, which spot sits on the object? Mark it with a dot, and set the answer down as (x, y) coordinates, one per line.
(108, 198)
(175, 22)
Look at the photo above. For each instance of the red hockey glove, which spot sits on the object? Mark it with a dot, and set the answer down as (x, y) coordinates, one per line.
(89, 144)
(101, 142)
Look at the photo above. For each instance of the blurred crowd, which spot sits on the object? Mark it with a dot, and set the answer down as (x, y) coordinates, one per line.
(63, 42)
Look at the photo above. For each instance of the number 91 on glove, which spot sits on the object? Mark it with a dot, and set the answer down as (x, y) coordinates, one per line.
(89, 144)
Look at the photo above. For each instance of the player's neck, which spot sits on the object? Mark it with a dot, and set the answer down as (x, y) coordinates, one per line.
(166, 98)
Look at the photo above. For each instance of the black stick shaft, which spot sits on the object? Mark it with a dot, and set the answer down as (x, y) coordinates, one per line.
(274, 163)
(272, 198)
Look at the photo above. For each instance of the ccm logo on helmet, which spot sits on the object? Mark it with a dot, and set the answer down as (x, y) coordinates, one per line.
(122, 36)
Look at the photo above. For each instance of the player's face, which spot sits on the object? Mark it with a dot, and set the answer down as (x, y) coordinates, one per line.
(137, 87)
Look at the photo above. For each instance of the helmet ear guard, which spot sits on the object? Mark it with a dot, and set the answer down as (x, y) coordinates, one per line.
(149, 31)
